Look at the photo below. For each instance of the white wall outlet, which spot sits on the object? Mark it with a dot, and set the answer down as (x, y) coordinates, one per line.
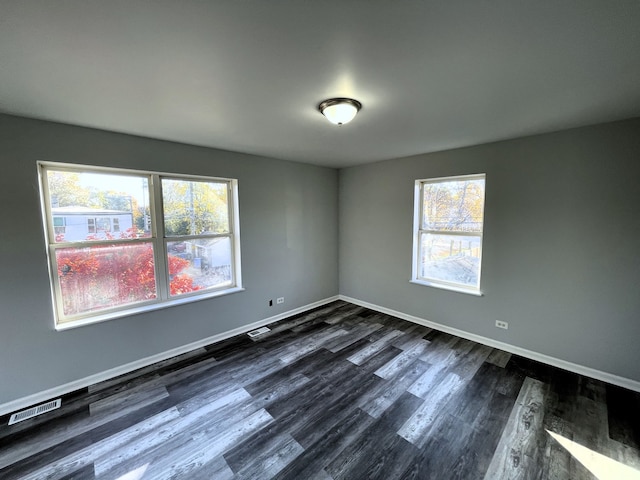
(501, 324)
(280, 300)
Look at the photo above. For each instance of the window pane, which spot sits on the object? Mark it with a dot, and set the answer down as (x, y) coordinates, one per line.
(199, 264)
(88, 203)
(194, 207)
(105, 276)
(451, 258)
(455, 205)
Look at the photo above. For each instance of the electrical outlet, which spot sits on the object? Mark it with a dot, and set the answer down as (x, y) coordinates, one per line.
(501, 324)
(280, 300)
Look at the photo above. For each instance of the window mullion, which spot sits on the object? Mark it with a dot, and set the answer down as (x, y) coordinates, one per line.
(159, 243)
(452, 233)
(186, 238)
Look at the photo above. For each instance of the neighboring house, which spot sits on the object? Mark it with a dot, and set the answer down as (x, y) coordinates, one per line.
(211, 255)
(216, 256)
(77, 222)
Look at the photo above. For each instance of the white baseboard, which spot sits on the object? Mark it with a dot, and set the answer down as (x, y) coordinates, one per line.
(540, 357)
(45, 395)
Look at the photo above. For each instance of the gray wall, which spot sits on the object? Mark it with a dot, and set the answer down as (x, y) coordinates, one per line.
(288, 222)
(561, 260)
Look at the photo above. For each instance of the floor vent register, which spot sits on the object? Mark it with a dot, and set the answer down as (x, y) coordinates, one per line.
(258, 332)
(34, 411)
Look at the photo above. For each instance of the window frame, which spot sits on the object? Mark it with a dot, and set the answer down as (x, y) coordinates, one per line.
(166, 238)
(419, 231)
(157, 239)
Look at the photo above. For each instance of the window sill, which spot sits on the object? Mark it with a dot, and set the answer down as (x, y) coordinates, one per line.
(451, 288)
(68, 325)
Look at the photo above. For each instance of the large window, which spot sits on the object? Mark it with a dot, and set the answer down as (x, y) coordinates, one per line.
(448, 227)
(122, 241)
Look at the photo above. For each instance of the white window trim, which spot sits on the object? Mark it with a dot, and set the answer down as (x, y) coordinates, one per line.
(418, 231)
(158, 239)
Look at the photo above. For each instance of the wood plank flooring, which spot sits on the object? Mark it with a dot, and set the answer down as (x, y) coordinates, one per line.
(340, 392)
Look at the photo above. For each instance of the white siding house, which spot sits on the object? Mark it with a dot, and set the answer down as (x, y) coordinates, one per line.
(77, 223)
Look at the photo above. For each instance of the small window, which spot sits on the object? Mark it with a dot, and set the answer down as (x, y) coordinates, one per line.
(135, 241)
(103, 225)
(448, 229)
(59, 225)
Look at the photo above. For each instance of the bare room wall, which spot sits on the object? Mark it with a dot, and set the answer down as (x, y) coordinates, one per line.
(561, 259)
(288, 225)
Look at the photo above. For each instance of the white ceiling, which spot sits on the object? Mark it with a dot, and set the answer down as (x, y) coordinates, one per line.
(247, 75)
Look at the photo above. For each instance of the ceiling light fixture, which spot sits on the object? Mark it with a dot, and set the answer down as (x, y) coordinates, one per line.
(340, 110)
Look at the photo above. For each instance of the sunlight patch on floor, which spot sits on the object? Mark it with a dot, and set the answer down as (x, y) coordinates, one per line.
(603, 467)
(135, 474)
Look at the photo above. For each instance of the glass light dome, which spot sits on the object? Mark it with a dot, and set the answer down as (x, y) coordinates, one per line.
(340, 110)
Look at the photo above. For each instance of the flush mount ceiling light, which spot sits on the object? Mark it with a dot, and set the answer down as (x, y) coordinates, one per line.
(340, 110)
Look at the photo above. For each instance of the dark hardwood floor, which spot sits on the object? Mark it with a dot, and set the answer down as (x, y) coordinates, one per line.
(340, 392)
